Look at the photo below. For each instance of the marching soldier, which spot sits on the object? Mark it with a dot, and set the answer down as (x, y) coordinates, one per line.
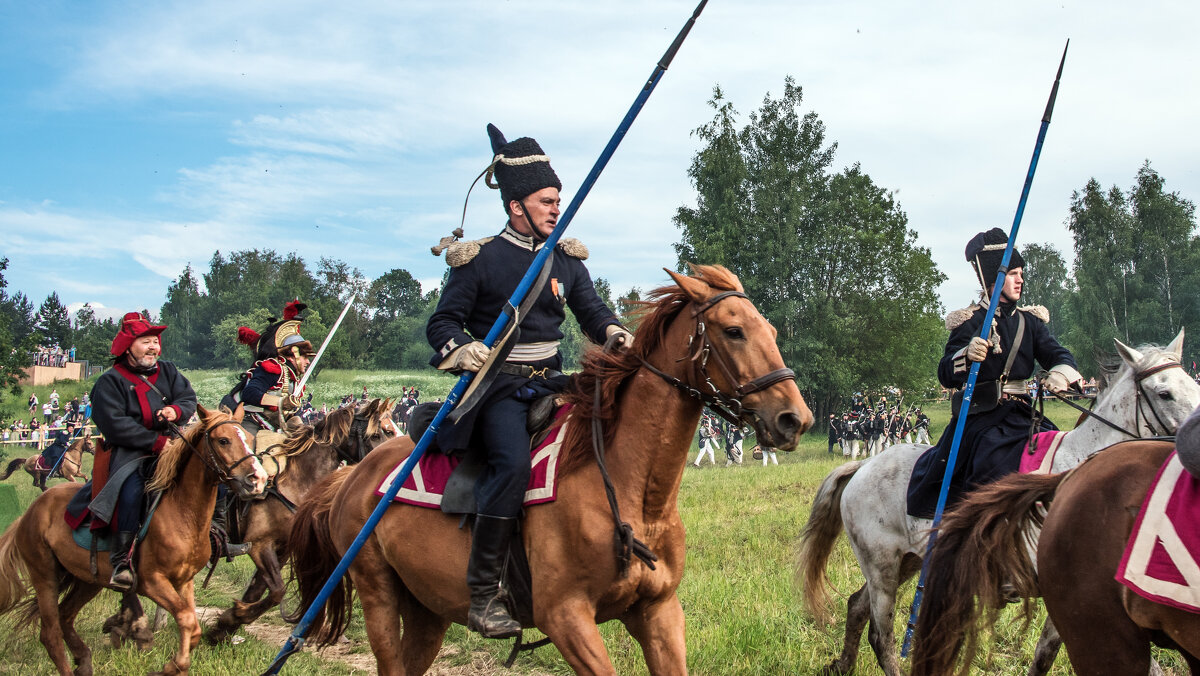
(133, 404)
(834, 431)
(483, 276)
(921, 427)
(999, 420)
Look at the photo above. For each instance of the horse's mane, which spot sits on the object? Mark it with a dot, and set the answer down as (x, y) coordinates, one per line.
(1110, 363)
(333, 429)
(174, 455)
(611, 369)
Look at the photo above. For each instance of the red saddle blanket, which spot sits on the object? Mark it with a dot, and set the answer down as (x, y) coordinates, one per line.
(1160, 560)
(1039, 453)
(41, 465)
(425, 486)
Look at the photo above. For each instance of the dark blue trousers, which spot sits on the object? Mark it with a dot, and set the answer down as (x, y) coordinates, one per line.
(500, 429)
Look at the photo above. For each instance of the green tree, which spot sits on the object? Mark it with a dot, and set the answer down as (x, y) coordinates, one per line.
(188, 339)
(94, 337)
(1047, 282)
(394, 294)
(14, 347)
(827, 258)
(1136, 255)
(54, 322)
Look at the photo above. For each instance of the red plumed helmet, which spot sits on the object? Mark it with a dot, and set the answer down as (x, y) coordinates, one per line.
(248, 336)
(292, 309)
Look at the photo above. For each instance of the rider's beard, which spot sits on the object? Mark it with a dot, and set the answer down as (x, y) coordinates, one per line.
(146, 364)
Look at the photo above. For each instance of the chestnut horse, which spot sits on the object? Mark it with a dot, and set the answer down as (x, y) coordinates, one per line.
(312, 453)
(412, 570)
(70, 468)
(1107, 628)
(39, 554)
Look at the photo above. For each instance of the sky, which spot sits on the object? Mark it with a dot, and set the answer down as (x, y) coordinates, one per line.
(137, 138)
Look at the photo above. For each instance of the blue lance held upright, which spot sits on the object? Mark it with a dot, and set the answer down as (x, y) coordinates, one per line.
(296, 641)
(969, 389)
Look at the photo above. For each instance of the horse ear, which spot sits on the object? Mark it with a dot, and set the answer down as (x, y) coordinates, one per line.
(239, 412)
(1130, 355)
(695, 289)
(1176, 346)
(202, 412)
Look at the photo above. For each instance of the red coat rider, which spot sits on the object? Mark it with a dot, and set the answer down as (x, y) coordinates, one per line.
(268, 389)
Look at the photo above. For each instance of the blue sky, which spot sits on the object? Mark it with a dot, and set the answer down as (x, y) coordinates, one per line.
(139, 137)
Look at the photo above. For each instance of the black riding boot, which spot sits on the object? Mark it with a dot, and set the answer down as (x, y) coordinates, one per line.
(220, 523)
(489, 614)
(122, 575)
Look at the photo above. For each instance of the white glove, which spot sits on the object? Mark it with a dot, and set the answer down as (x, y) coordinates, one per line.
(977, 349)
(469, 357)
(1061, 378)
(624, 337)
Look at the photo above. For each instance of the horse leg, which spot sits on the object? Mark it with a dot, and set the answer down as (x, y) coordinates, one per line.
(75, 600)
(424, 632)
(45, 587)
(881, 634)
(858, 611)
(572, 627)
(252, 604)
(181, 604)
(1047, 650)
(381, 614)
(657, 626)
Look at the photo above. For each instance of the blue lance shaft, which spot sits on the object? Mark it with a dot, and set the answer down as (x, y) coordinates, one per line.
(969, 389)
(296, 641)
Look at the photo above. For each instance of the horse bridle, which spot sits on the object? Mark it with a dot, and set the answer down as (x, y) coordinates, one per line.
(728, 406)
(211, 460)
(1139, 396)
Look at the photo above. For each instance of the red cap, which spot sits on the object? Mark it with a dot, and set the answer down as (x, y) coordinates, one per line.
(133, 326)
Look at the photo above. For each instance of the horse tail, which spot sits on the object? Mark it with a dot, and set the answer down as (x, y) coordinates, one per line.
(13, 465)
(313, 556)
(817, 540)
(13, 572)
(983, 544)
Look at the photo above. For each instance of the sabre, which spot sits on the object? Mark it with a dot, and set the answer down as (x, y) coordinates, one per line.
(969, 389)
(295, 642)
(312, 366)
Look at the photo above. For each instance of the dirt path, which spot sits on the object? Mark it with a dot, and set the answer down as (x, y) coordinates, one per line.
(349, 653)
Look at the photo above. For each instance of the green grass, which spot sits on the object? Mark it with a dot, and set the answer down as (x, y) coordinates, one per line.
(743, 613)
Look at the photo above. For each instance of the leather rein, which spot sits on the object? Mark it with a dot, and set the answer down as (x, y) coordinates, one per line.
(211, 460)
(1139, 395)
(728, 406)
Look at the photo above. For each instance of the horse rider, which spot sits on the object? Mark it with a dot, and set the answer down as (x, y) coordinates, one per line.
(921, 427)
(268, 394)
(58, 446)
(133, 405)
(483, 276)
(267, 390)
(999, 422)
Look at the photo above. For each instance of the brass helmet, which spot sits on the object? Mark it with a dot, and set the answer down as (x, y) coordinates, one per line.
(281, 338)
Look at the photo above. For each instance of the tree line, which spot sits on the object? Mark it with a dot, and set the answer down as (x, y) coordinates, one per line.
(828, 256)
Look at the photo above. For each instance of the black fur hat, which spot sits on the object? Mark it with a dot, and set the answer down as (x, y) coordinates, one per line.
(986, 250)
(521, 167)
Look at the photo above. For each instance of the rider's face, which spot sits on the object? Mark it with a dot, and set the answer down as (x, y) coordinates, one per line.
(301, 361)
(543, 211)
(1013, 283)
(144, 351)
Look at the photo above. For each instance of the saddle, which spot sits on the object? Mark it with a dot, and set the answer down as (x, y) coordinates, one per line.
(459, 494)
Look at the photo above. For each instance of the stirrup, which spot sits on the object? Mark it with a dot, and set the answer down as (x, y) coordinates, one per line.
(493, 620)
(122, 579)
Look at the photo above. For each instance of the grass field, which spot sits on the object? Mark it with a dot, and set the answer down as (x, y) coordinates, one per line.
(743, 613)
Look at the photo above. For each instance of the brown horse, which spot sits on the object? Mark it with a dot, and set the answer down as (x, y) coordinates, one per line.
(1107, 628)
(39, 554)
(345, 435)
(70, 468)
(412, 569)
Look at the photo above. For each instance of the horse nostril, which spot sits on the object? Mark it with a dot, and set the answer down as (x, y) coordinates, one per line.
(788, 424)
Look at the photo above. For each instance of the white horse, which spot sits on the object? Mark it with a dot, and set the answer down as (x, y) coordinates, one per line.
(1148, 396)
